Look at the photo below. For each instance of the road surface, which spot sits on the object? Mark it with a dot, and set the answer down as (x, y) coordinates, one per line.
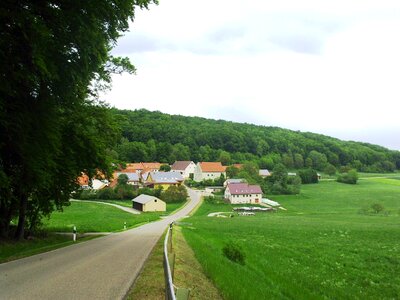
(103, 268)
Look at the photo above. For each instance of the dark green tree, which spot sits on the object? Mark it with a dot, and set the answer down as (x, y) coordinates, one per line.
(55, 57)
(165, 168)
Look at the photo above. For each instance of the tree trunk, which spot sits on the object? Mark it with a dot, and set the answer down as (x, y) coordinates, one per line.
(19, 234)
(5, 218)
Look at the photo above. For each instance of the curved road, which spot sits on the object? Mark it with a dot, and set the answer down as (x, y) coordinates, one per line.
(103, 268)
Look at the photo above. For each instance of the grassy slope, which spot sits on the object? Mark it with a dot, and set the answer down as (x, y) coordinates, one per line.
(11, 250)
(320, 248)
(188, 273)
(94, 217)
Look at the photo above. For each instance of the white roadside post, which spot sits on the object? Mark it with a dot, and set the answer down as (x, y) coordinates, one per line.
(74, 234)
(124, 225)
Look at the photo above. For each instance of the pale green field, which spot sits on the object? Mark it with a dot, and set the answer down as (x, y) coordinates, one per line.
(322, 247)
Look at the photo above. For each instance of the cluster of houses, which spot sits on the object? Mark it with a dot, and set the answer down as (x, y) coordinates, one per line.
(148, 174)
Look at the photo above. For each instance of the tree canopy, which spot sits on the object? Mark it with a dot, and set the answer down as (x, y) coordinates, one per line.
(55, 57)
(163, 137)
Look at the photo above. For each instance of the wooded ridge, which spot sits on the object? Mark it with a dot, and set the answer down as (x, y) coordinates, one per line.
(156, 136)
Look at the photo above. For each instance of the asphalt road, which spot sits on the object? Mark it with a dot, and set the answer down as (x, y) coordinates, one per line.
(103, 268)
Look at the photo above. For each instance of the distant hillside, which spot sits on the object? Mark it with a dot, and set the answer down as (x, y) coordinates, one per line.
(155, 136)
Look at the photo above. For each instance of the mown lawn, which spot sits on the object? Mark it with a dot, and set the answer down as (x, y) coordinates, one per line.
(95, 217)
(321, 247)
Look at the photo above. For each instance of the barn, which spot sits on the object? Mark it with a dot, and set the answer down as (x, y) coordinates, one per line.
(148, 203)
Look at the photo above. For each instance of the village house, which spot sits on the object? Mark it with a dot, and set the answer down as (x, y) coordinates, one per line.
(234, 180)
(163, 179)
(186, 168)
(208, 170)
(264, 173)
(133, 178)
(148, 203)
(238, 193)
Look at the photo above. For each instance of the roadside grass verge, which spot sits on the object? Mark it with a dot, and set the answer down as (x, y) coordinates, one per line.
(188, 272)
(322, 247)
(11, 250)
(150, 284)
(94, 217)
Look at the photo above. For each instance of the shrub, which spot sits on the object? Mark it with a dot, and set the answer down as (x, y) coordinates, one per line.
(106, 194)
(377, 208)
(350, 177)
(234, 252)
(87, 195)
(308, 176)
(174, 194)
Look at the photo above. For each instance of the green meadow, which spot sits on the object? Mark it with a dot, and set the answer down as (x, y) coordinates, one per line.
(328, 244)
(96, 217)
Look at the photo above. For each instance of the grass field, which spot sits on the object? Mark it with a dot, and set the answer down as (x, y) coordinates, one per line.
(95, 217)
(171, 207)
(10, 250)
(321, 247)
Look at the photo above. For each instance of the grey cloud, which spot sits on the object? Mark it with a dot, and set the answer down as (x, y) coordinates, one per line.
(138, 43)
(299, 43)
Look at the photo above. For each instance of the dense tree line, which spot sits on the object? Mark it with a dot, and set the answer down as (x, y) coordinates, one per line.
(162, 137)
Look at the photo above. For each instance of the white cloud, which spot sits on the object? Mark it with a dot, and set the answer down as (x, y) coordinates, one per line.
(321, 66)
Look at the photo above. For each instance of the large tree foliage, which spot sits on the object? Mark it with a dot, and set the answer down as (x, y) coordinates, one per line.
(54, 57)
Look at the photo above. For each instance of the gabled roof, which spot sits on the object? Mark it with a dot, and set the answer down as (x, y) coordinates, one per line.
(212, 167)
(143, 199)
(181, 165)
(83, 179)
(234, 180)
(264, 172)
(131, 175)
(243, 188)
(151, 165)
(166, 177)
(135, 166)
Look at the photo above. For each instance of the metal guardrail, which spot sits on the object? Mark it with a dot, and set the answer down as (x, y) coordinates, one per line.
(169, 286)
(169, 265)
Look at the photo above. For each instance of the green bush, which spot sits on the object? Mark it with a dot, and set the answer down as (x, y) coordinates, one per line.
(106, 194)
(174, 194)
(350, 177)
(308, 176)
(87, 195)
(234, 252)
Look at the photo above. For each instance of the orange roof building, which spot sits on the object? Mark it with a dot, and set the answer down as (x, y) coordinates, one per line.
(208, 170)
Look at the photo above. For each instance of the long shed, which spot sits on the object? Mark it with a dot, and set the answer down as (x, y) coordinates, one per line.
(148, 203)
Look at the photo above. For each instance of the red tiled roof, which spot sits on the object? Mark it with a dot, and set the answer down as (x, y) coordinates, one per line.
(238, 166)
(212, 167)
(243, 188)
(136, 166)
(180, 165)
(151, 165)
(83, 179)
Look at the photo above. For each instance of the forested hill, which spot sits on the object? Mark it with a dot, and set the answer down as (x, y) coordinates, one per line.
(155, 136)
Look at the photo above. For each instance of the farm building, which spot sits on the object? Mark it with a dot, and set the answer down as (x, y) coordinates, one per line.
(148, 203)
(208, 170)
(238, 193)
(163, 179)
(186, 168)
(234, 180)
(264, 173)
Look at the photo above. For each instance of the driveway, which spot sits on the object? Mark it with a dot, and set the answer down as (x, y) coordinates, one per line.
(103, 268)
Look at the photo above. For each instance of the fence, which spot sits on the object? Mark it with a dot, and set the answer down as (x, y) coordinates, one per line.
(169, 265)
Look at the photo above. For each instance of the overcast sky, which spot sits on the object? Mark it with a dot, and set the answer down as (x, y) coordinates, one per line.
(330, 67)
